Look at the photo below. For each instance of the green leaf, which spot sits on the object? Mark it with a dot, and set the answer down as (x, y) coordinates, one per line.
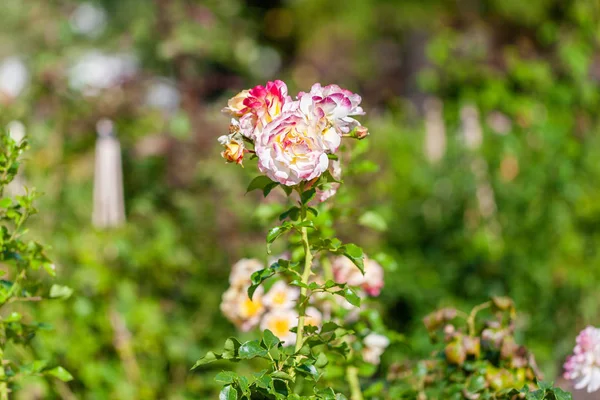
(210, 357)
(269, 339)
(349, 295)
(231, 349)
(373, 220)
(251, 349)
(228, 393)
(60, 292)
(267, 189)
(308, 370)
(5, 202)
(355, 254)
(259, 183)
(60, 373)
(308, 195)
(274, 233)
(282, 375)
(226, 377)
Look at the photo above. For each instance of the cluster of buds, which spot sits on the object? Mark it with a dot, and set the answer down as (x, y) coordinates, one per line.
(292, 139)
(491, 346)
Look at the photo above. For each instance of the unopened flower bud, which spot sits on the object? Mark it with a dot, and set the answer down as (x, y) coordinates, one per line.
(361, 132)
(234, 149)
(455, 352)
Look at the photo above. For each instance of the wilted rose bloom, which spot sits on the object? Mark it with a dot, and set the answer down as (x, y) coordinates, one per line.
(242, 270)
(240, 309)
(346, 272)
(583, 367)
(290, 149)
(335, 167)
(258, 106)
(337, 106)
(280, 322)
(375, 345)
(281, 296)
(234, 148)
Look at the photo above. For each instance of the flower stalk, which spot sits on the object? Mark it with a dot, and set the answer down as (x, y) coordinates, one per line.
(305, 276)
(352, 377)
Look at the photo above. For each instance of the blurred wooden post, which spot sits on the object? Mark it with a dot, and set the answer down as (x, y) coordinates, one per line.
(435, 131)
(109, 208)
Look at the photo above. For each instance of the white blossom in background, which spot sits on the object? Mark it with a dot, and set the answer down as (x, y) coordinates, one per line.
(14, 77)
(280, 322)
(162, 94)
(281, 296)
(375, 345)
(242, 270)
(96, 71)
(471, 127)
(313, 317)
(243, 312)
(17, 187)
(88, 19)
(583, 367)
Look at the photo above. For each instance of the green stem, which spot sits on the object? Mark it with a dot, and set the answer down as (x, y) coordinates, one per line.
(352, 376)
(305, 276)
(473, 314)
(3, 383)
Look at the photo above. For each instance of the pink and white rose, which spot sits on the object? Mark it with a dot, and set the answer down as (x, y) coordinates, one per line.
(371, 282)
(290, 149)
(583, 367)
(258, 106)
(336, 105)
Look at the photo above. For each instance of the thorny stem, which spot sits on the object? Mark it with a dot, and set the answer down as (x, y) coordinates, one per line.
(473, 314)
(352, 376)
(305, 276)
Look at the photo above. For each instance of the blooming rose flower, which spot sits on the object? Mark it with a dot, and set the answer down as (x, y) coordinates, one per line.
(371, 282)
(313, 317)
(234, 148)
(583, 367)
(281, 296)
(242, 270)
(280, 322)
(290, 149)
(336, 171)
(375, 345)
(258, 106)
(336, 105)
(240, 310)
(235, 105)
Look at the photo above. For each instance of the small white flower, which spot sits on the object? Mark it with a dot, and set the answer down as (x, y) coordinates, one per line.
(583, 367)
(13, 77)
(280, 322)
(242, 270)
(88, 19)
(313, 317)
(96, 71)
(240, 310)
(281, 296)
(375, 345)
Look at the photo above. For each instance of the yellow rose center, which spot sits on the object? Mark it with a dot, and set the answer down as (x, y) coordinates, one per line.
(251, 308)
(280, 327)
(279, 298)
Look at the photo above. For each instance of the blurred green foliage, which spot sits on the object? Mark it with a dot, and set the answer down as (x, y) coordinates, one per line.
(145, 305)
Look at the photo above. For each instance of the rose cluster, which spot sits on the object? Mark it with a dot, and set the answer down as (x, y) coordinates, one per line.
(276, 311)
(292, 139)
(583, 367)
